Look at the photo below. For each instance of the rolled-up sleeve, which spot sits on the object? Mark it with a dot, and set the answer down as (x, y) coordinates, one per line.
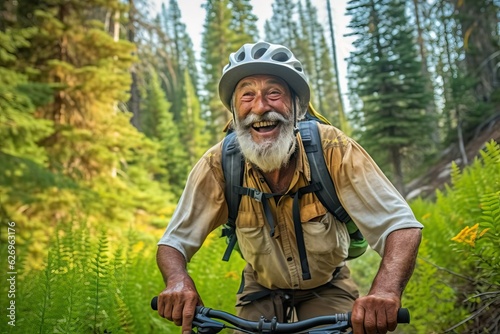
(366, 193)
(201, 208)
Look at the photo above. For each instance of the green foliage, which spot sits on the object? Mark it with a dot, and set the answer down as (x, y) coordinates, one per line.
(70, 155)
(316, 57)
(385, 75)
(363, 270)
(20, 130)
(220, 38)
(459, 263)
(158, 124)
(193, 136)
(90, 284)
(69, 152)
(217, 280)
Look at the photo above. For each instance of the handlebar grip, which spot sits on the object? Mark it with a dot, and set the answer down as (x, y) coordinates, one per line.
(154, 303)
(403, 316)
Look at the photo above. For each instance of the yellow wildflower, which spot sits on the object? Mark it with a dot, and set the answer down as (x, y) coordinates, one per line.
(426, 216)
(483, 232)
(468, 235)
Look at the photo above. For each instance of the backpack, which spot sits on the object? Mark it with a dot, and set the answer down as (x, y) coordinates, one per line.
(321, 184)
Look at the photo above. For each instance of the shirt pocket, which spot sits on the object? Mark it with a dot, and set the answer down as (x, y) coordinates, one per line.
(253, 235)
(327, 236)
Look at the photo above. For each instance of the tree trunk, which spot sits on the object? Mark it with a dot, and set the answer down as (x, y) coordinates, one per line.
(398, 170)
(430, 108)
(343, 121)
(477, 19)
(134, 100)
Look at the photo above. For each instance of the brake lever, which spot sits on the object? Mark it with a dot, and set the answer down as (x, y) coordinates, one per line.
(207, 325)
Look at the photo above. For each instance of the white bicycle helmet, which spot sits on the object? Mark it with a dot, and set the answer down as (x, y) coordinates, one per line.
(263, 58)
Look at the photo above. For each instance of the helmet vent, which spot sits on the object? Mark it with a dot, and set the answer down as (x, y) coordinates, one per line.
(241, 56)
(259, 53)
(281, 56)
(265, 59)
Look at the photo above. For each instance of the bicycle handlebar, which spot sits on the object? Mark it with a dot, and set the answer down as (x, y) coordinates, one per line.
(204, 320)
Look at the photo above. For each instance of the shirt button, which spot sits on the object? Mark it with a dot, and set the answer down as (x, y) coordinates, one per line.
(289, 259)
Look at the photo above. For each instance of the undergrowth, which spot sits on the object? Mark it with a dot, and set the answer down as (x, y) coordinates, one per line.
(93, 281)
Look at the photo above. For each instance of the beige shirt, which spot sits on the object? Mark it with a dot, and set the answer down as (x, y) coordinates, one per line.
(367, 195)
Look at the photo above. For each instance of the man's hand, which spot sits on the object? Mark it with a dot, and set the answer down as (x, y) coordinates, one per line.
(378, 311)
(178, 301)
(375, 314)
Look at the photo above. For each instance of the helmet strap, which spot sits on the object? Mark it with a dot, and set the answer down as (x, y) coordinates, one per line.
(294, 110)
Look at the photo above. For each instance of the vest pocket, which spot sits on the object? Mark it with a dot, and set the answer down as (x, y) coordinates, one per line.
(253, 236)
(328, 236)
(254, 240)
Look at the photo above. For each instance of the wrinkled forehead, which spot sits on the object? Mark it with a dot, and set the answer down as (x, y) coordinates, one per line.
(261, 79)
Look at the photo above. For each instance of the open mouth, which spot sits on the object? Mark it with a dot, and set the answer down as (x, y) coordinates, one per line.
(264, 126)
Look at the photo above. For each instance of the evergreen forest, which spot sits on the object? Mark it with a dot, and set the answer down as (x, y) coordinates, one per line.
(105, 107)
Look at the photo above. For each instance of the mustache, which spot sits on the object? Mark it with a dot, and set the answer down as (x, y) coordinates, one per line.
(270, 116)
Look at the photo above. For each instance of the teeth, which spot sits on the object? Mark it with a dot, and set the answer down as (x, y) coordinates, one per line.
(264, 124)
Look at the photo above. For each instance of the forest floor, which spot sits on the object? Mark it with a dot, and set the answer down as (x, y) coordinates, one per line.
(438, 175)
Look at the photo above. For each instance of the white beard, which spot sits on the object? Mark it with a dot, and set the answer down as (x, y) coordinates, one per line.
(272, 154)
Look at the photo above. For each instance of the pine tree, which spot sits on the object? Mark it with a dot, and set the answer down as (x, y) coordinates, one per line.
(160, 126)
(176, 54)
(305, 37)
(89, 79)
(479, 32)
(195, 138)
(330, 104)
(282, 27)
(243, 21)
(216, 47)
(219, 40)
(80, 158)
(185, 106)
(321, 69)
(20, 130)
(385, 74)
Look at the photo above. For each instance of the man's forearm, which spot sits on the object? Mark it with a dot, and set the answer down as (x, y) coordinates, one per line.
(398, 262)
(171, 262)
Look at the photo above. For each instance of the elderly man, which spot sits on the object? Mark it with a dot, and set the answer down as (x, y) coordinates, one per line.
(266, 90)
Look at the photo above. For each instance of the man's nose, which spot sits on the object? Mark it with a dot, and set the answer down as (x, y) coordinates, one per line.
(260, 105)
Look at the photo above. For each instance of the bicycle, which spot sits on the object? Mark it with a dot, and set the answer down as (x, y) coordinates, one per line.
(204, 322)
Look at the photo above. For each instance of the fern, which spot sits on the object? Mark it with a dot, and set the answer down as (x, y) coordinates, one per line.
(126, 320)
(47, 294)
(488, 241)
(98, 283)
(467, 268)
(71, 298)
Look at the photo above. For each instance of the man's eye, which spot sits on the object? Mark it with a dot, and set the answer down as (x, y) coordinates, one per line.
(247, 96)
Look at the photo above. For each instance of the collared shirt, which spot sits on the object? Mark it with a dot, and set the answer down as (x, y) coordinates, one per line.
(367, 195)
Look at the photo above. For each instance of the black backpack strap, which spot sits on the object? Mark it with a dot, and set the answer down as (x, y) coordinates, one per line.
(297, 224)
(321, 184)
(319, 172)
(232, 166)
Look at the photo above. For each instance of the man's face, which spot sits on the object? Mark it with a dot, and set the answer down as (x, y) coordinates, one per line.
(257, 95)
(264, 121)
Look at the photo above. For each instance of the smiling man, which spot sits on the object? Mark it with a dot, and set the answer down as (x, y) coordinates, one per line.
(265, 88)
